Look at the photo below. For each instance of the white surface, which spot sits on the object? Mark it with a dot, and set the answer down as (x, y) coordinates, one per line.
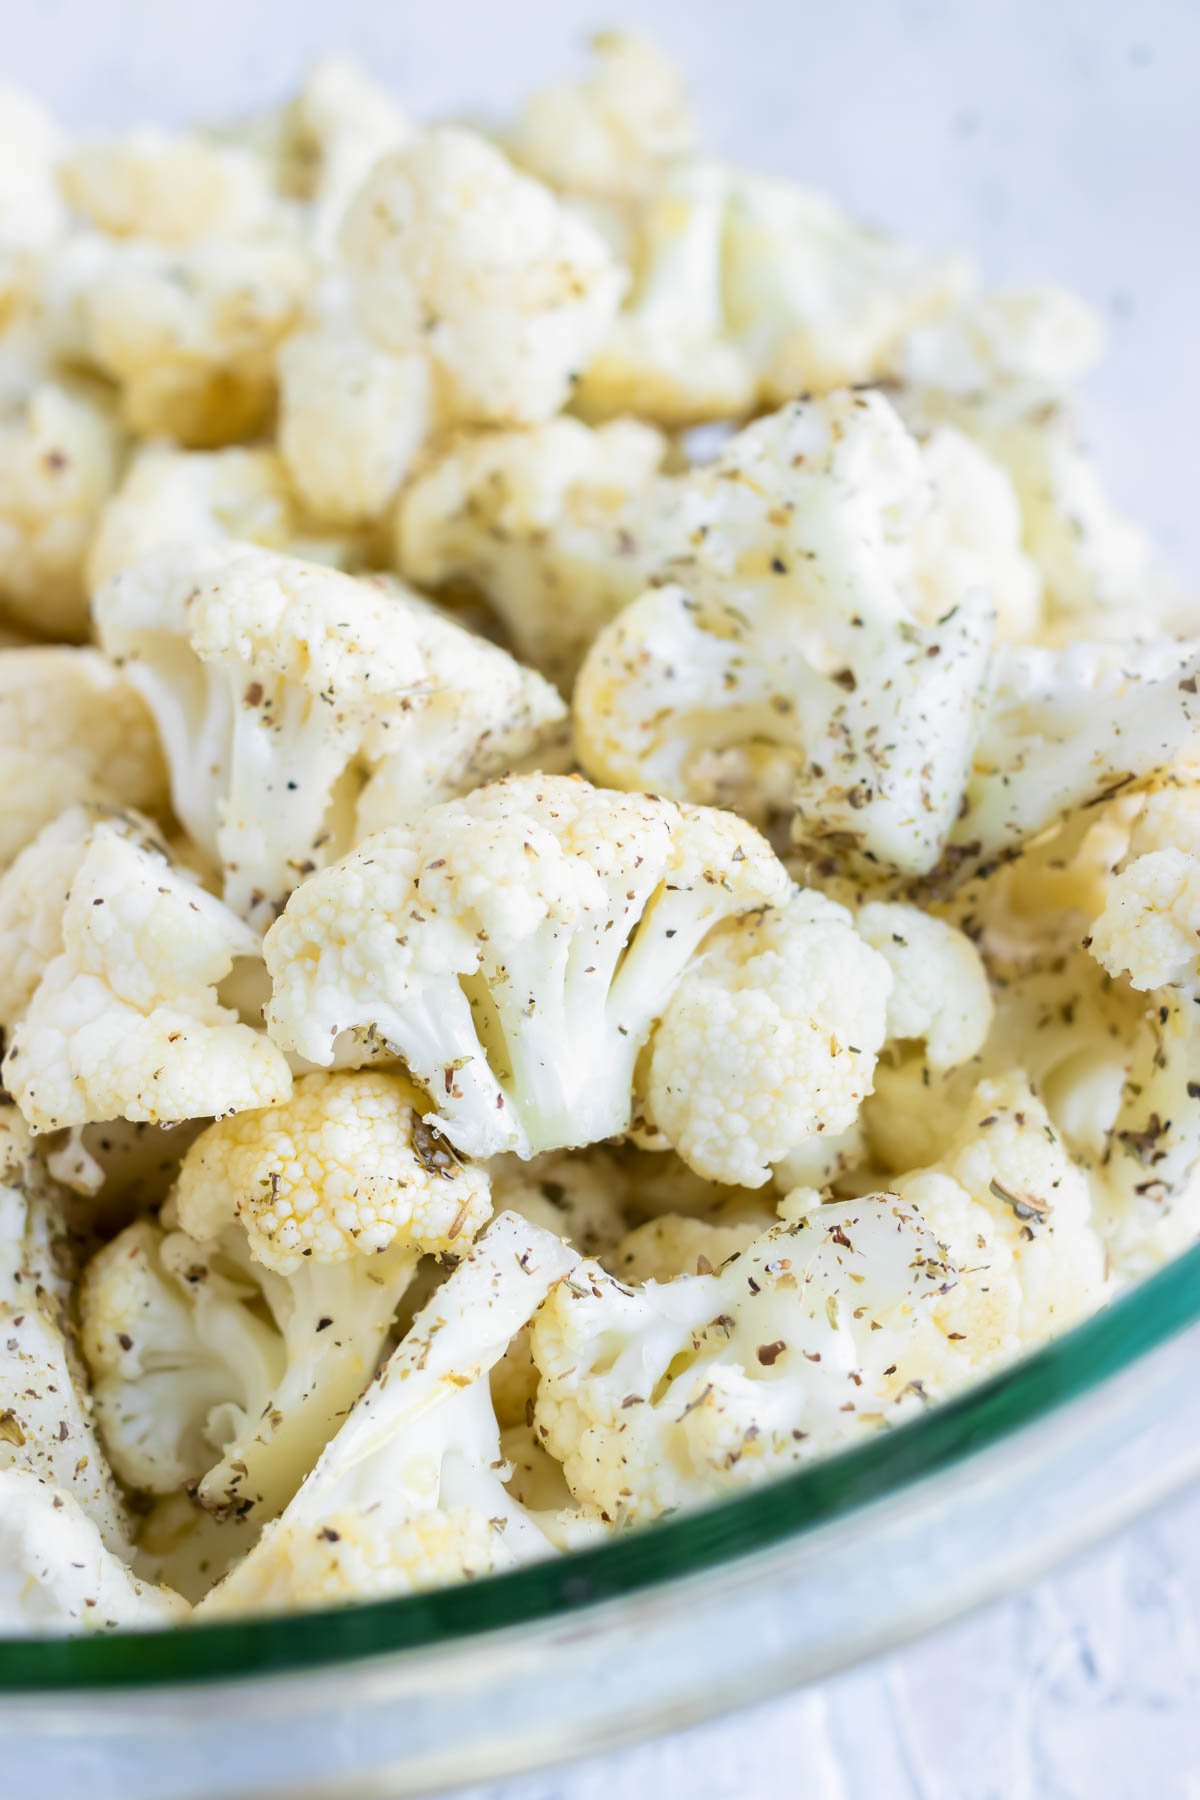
(1051, 139)
(1087, 1688)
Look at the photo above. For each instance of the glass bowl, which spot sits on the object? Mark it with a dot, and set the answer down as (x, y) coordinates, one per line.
(665, 1626)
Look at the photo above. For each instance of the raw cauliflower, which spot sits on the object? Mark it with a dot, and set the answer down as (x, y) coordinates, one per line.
(32, 214)
(769, 1039)
(120, 955)
(351, 420)
(57, 1574)
(939, 993)
(555, 525)
(72, 729)
(172, 190)
(515, 948)
(169, 496)
(60, 449)
(455, 254)
(748, 292)
(226, 1348)
(300, 708)
(1148, 929)
(410, 1492)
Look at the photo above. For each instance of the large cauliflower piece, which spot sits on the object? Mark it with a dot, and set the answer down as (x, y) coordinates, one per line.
(227, 1344)
(769, 1039)
(515, 948)
(556, 525)
(668, 1394)
(60, 447)
(72, 729)
(115, 957)
(58, 1575)
(410, 1493)
(171, 189)
(810, 666)
(455, 254)
(750, 292)
(282, 688)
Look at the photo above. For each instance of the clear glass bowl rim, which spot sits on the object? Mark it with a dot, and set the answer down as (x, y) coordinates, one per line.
(784, 1509)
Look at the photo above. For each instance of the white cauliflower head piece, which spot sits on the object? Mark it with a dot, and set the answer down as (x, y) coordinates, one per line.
(72, 730)
(279, 687)
(410, 1493)
(454, 253)
(515, 948)
(57, 1575)
(227, 1347)
(769, 1039)
(171, 189)
(116, 1013)
(940, 993)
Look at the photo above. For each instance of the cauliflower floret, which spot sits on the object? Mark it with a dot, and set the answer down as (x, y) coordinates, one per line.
(824, 1328)
(32, 214)
(578, 1197)
(811, 666)
(611, 135)
(1015, 1216)
(351, 420)
(56, 1574)
(226, 1349)
(171, 496)
(324, 142)
(71, 729)
(749, 292)
(174, 190)
(973, 533)
(515, 948)
(676, 1244)
(60, 449)
(123, 1021)
(456, 255)
(410, 1493)
(555, 525)
(996, 368)
(769, 1039)
(940, 992)
(280, 688)
(1150, 927)
(1065, 729)
(189, 334)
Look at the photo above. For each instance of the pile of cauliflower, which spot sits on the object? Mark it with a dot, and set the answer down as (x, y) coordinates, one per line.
(599, 844)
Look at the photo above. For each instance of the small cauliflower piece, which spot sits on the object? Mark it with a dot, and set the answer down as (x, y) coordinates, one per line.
(58, 1576)
(291, 698)
(515, 948)
(189, 333)
(940, 994)
(579, 1197)
(227, 1348)
(351, 420)
(122, 1020)
(665, 1395)
(807, 665)
(410, 1493)
(1149, 930)
(172, 190)
(72, 730)
(554, 525)
(60, 448)
(769, 1039)
(973, 534)
(455, 254)
(613, 134)
(170, 496)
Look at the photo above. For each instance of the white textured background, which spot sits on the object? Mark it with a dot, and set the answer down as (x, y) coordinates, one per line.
(1054, 140)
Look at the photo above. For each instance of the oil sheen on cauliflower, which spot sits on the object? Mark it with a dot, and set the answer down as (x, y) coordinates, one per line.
(515, 948)
(282, 689)
(769, 1039)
